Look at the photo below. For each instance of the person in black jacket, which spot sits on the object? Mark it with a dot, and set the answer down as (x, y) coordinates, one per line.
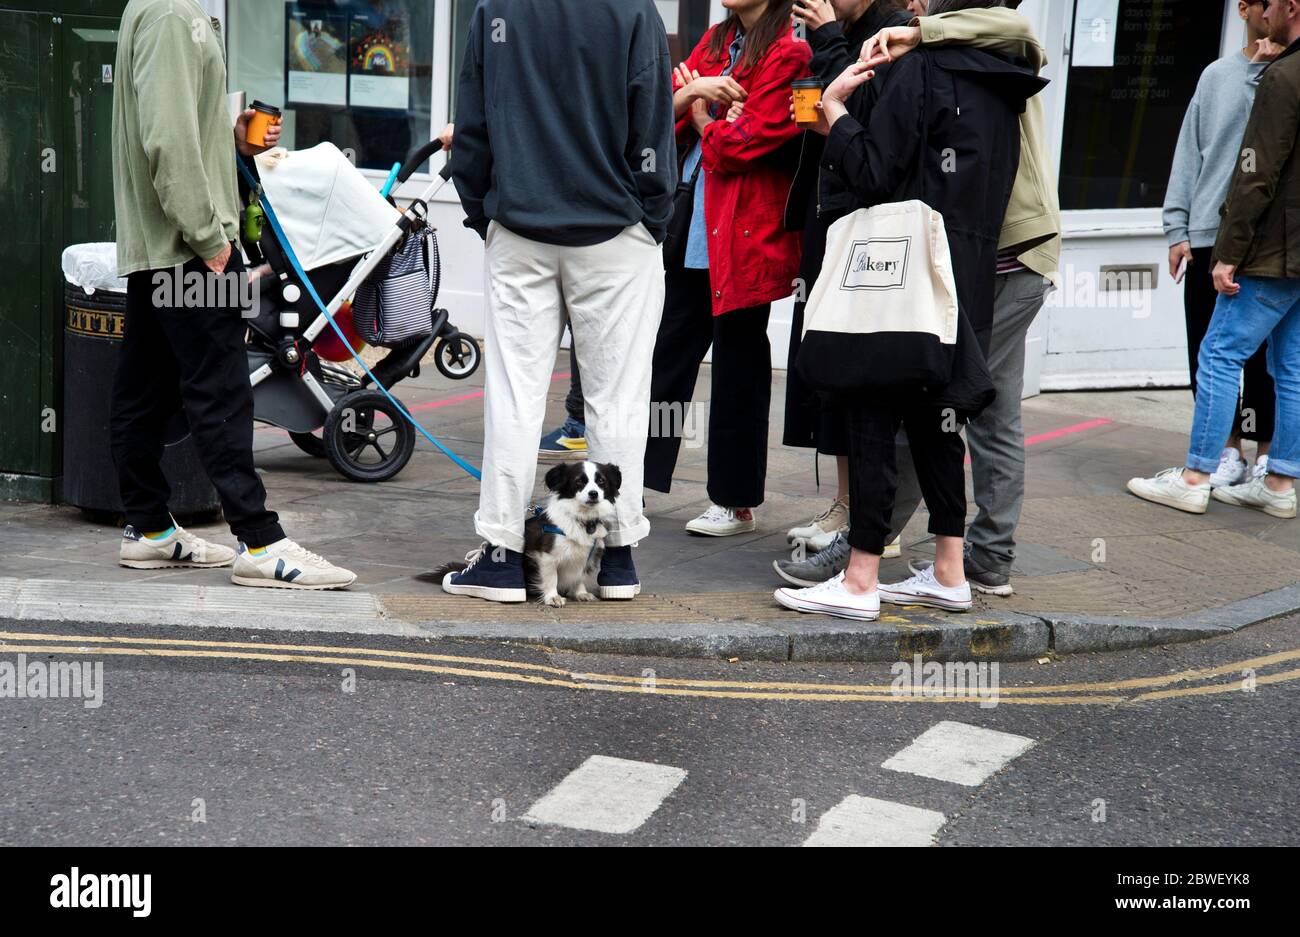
(942, 127)
(564, 156)
(836, 30)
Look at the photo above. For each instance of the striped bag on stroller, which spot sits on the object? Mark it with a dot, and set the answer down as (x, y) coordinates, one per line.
(396, 304)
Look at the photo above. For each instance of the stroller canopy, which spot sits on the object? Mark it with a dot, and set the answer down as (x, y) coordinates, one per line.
(330, 212)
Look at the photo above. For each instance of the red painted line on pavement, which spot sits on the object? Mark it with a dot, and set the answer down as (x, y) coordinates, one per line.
(1063, 431)
(1066, 431)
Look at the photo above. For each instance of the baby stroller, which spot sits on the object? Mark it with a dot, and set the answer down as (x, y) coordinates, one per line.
(352, 242)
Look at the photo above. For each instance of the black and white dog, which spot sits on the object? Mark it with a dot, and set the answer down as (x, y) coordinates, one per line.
(565, 540)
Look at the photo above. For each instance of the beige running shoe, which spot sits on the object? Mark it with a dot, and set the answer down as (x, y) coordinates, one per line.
(1169, 489)
(178, 549)
(819, 533)
(1256, 494)
(285, 565)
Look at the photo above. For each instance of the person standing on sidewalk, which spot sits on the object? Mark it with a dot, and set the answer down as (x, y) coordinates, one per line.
(565, 165)
(1029, 251)
(836, 30)
(1208, 148)
(738, 257)
(177, 209)
(1257, 276)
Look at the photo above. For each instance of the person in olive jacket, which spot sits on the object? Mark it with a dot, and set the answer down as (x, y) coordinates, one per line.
(1257, 274)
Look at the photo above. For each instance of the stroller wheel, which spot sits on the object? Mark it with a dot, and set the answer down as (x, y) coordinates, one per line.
(366, 438)
(309, 443)
(457, 356)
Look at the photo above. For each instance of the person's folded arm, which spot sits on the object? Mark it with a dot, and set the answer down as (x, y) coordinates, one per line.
(1266, 148)
(471, 153)
(165, 72)
(996, 29)
(830, 52)
(766, 124)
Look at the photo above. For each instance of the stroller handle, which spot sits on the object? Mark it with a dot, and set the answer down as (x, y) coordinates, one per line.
(414, 161)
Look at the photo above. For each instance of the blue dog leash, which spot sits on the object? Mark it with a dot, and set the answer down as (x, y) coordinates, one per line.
(311, 291)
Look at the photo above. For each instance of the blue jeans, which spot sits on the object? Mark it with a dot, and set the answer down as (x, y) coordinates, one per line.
(1266, 308)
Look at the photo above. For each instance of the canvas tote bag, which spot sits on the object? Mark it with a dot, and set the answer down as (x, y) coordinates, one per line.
(884, 310)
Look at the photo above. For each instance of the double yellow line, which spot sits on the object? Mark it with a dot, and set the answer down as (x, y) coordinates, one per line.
(1198, 682)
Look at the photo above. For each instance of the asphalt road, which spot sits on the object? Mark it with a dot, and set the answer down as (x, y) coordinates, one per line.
(232, 742)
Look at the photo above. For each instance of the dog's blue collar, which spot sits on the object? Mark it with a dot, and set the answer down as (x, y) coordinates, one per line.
(549, 528)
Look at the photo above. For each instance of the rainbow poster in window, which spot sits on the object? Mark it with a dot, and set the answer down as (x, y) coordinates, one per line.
(316, 53)
(380, 60)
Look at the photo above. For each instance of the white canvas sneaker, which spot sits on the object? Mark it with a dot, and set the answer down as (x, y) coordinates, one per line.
(178, 549)
(1256, 494)
(924, 589)
(820, 532)
(1232, 469)
(285, 565)
(1169, 489)
(831, 598)
(723, 522)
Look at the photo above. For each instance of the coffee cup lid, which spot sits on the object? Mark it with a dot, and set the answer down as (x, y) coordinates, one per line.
(809, 83)
(265, 108)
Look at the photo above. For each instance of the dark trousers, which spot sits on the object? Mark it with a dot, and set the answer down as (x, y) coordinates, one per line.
(1257, 410)
(938, 453)
(741, 396)
(192, 357)
(574, 405)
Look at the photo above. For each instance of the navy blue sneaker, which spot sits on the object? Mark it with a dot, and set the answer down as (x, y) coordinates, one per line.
(566, 444)
(492, 573)
(617, 579)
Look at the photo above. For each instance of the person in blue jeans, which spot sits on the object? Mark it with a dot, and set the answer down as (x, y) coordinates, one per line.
(1257, 275)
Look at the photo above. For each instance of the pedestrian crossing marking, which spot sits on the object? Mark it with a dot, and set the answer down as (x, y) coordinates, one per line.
(960, 753)
(866, 821)
(607, 795)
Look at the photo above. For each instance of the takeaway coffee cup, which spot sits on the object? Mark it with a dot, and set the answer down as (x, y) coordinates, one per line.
(807, 93)
(265, 117)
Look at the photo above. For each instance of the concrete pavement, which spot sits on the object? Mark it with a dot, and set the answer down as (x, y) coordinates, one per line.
(1098, 569)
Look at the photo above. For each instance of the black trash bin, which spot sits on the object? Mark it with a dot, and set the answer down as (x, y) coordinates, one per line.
(92, 337)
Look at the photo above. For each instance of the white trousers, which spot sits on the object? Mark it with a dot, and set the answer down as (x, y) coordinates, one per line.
(612, 297)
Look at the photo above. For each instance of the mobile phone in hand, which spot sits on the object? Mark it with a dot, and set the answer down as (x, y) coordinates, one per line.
(1182, 271)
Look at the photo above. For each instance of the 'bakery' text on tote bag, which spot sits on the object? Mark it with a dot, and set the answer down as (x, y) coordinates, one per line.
(884, 310)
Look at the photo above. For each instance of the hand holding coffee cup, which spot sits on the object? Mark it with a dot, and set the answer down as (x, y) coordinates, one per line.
(258, 129)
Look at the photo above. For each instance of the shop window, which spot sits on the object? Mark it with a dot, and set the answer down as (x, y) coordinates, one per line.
(1133, 71)
(358, 73)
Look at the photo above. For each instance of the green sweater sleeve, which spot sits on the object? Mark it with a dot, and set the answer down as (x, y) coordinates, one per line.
(166, 80)
(995, 28)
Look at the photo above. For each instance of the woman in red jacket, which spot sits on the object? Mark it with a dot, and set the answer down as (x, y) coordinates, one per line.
(733, 109)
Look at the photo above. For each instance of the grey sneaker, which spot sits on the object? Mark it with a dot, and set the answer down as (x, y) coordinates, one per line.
(817, 568)
(1256, 494)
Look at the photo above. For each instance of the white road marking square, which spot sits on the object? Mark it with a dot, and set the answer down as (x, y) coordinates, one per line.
(960, 753)
(865, 821)
(607, 795)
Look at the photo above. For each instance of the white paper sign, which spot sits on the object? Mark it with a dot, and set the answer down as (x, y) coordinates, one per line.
(1095, 22)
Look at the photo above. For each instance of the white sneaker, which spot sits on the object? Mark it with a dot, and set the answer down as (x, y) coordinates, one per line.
(723, 522)
(1256, 494)
(178, 549)
(285, 565)
(893, 550)
(831, 598)
(1169, 489)
(818, 534)
(1232, 469)
(1261, 467)
(924, 589)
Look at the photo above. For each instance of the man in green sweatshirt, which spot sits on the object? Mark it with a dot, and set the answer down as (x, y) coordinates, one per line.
(177, 208)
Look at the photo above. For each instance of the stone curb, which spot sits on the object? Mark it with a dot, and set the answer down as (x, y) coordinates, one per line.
(979, 635)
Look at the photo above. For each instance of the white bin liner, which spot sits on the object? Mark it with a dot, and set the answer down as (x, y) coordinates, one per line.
(330, 212)
(93, 267)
